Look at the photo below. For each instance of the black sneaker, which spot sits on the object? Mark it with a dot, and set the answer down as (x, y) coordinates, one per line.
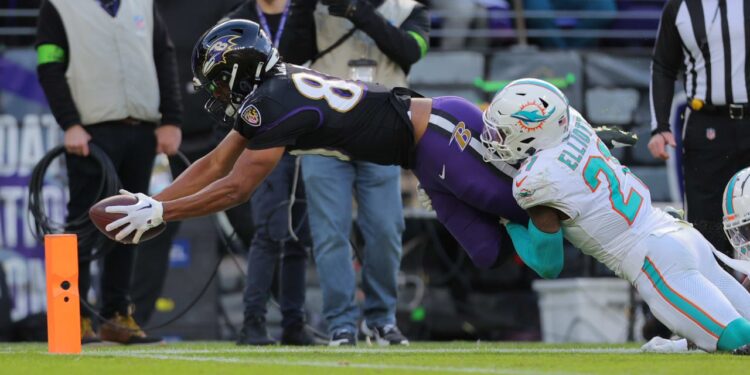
(297, 334)
(386, 335)
(343, 338)
(254, 332)
(742, 350)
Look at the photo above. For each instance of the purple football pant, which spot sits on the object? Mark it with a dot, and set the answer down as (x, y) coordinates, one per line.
(468, 194)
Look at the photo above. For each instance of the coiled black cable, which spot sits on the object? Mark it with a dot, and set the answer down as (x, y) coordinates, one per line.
(88, 236)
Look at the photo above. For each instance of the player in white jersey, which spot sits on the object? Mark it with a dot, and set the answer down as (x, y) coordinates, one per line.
(572, 187)
(736, 207)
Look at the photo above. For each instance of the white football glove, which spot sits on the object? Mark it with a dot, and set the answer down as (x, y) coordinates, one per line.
(504, 221)
(424, 199)
(145, 214)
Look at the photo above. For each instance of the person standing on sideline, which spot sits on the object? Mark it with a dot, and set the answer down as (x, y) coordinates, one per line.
(272, 241)
(376, 41)
(200, 134)
(708, 41)
(108, 70)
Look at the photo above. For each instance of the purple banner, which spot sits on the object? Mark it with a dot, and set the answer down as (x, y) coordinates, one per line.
(27, 132)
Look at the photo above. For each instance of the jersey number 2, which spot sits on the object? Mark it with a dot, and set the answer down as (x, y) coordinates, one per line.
(340, 95)
(627, 208)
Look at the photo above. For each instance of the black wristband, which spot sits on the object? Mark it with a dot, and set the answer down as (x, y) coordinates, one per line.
(659, 131)
(69, 124)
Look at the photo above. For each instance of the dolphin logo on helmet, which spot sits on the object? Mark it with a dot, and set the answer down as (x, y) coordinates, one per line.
(514, 121)
(532, 116)
(532, 119)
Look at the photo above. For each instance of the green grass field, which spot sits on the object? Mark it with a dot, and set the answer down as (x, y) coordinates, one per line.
(425, 358)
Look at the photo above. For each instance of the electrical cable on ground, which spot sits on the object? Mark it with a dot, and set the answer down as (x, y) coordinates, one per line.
(89, 236)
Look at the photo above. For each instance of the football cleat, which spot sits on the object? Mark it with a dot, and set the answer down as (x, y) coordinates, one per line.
(742, 350)
(615, 137)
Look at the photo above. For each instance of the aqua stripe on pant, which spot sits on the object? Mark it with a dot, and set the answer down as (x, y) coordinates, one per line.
(686, 288)
(682, 304)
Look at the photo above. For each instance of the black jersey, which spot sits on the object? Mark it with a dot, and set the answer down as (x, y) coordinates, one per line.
(302, 109)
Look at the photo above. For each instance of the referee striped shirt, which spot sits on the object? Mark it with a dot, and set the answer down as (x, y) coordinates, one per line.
(708, 40)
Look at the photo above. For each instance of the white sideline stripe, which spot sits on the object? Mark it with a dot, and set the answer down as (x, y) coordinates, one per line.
(330, 364)
(326, 350)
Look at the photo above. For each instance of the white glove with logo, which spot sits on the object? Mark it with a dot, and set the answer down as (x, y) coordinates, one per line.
(145, 214)
(424, 199)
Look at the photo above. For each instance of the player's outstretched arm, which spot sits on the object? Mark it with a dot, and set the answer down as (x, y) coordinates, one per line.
(211, 167)
(249, 170)
(541, 245)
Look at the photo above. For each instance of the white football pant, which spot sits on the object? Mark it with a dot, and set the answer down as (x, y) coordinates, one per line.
(686, 289)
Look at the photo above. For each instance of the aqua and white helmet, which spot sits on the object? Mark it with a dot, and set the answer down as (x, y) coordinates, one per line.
(526, 116)
(736, 205)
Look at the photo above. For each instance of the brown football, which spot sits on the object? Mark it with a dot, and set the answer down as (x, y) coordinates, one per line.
(101, 218)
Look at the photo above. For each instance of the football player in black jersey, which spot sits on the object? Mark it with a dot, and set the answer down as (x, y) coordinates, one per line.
(276, 107)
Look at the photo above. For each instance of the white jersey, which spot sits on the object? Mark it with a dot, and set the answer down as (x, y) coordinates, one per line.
(609, 208)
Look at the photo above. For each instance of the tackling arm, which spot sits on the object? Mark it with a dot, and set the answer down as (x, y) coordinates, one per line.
(541, 245)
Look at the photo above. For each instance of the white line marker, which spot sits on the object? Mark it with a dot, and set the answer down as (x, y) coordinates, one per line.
(331, 364)
(365, 350)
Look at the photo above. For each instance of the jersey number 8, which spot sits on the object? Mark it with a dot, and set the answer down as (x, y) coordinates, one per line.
(340, 95)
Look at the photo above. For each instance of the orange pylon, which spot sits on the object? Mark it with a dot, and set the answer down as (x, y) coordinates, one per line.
(63, 309)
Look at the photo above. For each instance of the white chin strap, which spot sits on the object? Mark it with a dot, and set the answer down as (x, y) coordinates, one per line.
(273, 59)
(233, 76)
(230, 111)
(266, 67)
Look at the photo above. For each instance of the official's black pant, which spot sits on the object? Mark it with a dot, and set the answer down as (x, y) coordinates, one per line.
(132, 149)
(715, 148)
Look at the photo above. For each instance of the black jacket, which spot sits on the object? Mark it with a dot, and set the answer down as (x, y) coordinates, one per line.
(398, 43)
